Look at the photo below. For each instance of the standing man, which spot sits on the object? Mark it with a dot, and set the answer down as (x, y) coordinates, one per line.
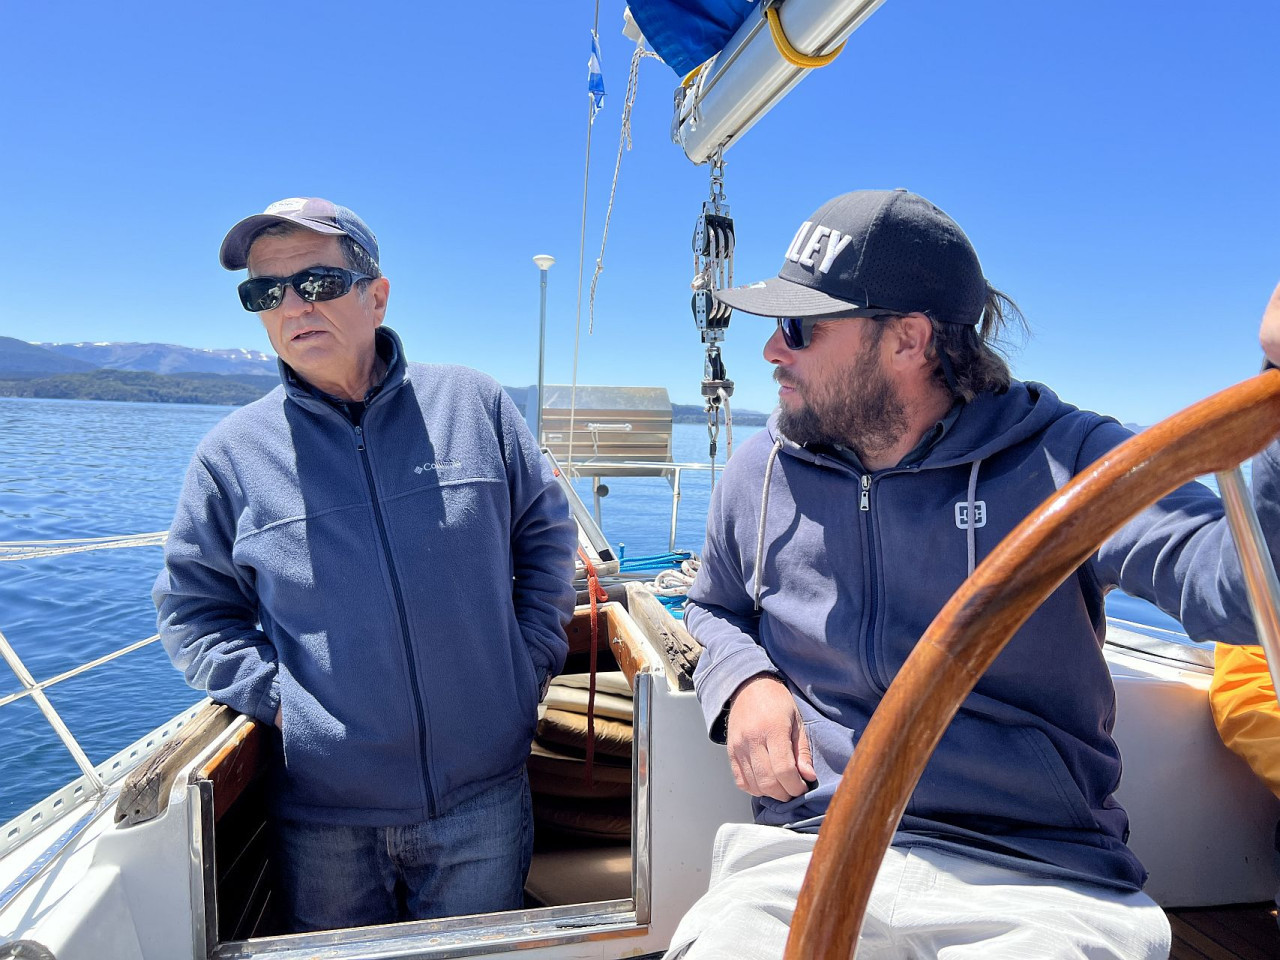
(374, 558)
(902, 452)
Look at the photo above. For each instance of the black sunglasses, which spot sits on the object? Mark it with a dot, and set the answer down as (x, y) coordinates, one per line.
(797, 332)
(314, 285)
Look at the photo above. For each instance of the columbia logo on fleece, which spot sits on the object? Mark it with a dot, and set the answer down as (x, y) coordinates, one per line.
(429, 467)
(979, 519)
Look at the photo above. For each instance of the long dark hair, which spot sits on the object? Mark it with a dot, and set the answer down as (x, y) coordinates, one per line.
(974, 352)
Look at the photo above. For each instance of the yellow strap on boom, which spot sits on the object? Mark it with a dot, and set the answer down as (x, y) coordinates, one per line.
(692, 75)
(790, 53)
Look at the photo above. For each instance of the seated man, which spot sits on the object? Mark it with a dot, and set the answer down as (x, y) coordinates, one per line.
(903, 451)
(374, 558)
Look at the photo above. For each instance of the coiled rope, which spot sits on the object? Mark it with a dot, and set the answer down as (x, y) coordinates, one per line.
(675, 583)
(675, 574)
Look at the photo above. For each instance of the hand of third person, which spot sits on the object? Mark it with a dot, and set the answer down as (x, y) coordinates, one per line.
(768, 748)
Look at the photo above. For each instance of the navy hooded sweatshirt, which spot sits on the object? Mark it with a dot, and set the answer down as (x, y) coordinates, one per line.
(853, 568)
(398, 588)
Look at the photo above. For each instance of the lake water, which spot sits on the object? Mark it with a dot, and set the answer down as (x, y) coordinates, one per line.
(71, 469)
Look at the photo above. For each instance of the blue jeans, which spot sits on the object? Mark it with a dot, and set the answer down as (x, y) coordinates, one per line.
(471, 859)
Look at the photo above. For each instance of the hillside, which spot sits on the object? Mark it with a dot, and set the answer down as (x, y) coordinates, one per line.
(168, 358)
(168, 373)
(20, 360)
(140, 386)
(696, 413)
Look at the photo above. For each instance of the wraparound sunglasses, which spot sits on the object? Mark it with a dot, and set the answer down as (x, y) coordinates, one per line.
(314, 285)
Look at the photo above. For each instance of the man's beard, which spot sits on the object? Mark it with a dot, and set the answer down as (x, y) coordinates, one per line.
(861, 410)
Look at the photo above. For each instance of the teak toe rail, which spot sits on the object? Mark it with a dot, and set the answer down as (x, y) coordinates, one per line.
(1212, 436)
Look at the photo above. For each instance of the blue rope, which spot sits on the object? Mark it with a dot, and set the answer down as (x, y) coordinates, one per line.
(660, 561)
(656, 562)
(674, 605)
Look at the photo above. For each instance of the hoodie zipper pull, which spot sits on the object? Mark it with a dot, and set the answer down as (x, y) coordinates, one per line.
(359, 440)
(864, 503)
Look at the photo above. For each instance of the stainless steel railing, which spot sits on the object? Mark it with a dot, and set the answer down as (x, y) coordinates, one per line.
(586, 469)
(1259, 571)
(30, 687)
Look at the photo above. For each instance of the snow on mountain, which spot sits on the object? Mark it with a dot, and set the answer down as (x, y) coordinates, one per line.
(167, 358)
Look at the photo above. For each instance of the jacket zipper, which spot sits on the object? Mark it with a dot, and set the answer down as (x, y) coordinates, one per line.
(864, 505)
(404, 618)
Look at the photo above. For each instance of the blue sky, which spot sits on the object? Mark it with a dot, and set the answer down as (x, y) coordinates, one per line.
(1119, 175)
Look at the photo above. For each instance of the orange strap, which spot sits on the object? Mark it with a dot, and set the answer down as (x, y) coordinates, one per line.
(596, 594)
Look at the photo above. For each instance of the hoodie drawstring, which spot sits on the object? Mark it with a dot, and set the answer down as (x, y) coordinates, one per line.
(972, 525)
(764, 510)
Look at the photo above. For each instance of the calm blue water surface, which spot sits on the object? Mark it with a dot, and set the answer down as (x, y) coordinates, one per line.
(86, 469)
(90, 469)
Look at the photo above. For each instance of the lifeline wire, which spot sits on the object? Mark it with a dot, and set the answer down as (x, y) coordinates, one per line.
(32, 549)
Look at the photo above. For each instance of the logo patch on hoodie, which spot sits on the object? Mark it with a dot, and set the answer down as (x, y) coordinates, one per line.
(979, 518)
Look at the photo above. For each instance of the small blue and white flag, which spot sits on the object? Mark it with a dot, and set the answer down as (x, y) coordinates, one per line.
(595, 78)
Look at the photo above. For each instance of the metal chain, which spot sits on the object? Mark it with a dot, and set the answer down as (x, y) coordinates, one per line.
(716, 165)
(713, 243)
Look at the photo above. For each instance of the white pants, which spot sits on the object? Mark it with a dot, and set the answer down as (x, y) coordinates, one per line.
(925, 904)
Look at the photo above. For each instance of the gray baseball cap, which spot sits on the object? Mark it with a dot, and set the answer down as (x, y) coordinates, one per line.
(881, 249)
(311, 213)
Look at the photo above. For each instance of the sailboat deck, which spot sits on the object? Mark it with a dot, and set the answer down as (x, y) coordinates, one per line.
(1225, 933)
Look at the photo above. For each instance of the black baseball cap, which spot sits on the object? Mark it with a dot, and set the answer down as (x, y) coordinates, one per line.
(311, 213)
(872, 249)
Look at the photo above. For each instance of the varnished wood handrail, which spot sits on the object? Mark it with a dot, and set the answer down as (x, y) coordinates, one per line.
(971, 630)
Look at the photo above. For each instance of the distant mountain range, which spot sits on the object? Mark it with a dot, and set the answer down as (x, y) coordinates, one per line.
(20, 360)
(166, 358)
(168, 373)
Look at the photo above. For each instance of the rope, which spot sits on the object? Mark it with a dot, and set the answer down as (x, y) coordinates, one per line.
(83, 668)
(582, 253)
(624, 143)
(692, 75)
(32, 549)
(728, 425)
(675, 583)
(790, 53)
(658, 561)
(713, 434)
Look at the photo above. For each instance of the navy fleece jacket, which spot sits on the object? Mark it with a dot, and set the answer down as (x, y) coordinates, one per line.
(1025, 774)
(398, 589)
